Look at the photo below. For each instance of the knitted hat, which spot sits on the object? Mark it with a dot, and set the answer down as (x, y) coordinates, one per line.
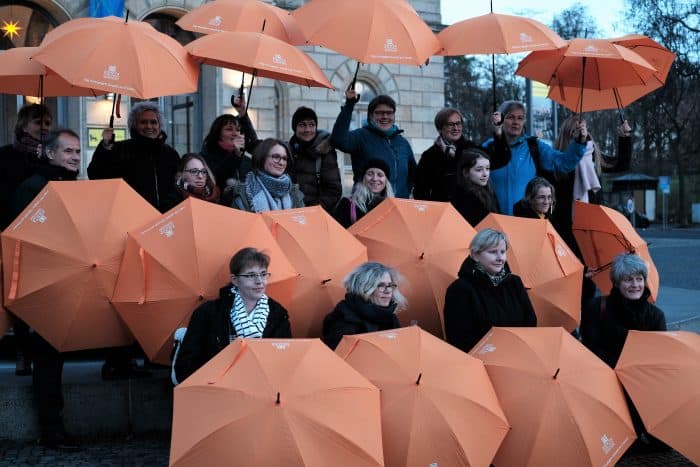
(301, 114)
(376, 163)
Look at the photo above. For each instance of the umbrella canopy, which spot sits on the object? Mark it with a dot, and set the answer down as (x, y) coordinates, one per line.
(171, 265)
(603, 233)
(276, 403)
(438, 404)
(426, 241)
(615, 98)
(565, 405)
(369, 31)
(243, 16)
(494, 33)
(61, 257)
(258, 54)
(587, 64)
(661, 373)
(323, 253)
(5, 318)
(21, 75)
(112, 55)
(550, 271)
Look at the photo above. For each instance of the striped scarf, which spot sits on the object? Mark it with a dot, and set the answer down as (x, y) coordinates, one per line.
(248, 324)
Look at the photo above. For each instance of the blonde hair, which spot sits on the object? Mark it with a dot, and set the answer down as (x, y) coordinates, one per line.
(362, 195)
(565, 136)
(363, 281)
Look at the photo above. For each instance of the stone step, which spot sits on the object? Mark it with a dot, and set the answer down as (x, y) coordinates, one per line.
(93, 407)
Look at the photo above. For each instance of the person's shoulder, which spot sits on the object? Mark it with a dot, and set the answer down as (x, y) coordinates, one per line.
(277, 309)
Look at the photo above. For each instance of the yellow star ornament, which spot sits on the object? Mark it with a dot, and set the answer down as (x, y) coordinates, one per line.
(10, 29)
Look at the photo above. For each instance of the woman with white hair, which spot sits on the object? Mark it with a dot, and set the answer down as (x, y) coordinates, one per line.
(606, 321)
(144, 161)
(371, 301)
(485, 293)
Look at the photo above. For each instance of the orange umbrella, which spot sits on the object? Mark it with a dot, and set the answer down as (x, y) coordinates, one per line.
(603, 233)
(21, 75)
(61, 257)
(243, 16)
(587, 64)
(438, 404)
(497, 34)
(661, 373)
(599, 99)
(5, 318)
(426, 241)
(112, 55)
(565, 406)
(369, 31)
(260, 55)
(276, 403)
(174, 263)
(550, 271)
(323, 253)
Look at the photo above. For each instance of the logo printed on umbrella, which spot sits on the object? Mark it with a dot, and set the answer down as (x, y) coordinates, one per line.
(111, 73)
(560, 250)
(39, 216)
(389, 46)
(525, 38)
(389, 335)
(433, 464)
(608, 443)
(591, 48)
(301, 219)
(487, 348)
(279, 59)
(215, 21)
(421, 207)
(168, 230)
(280, 345)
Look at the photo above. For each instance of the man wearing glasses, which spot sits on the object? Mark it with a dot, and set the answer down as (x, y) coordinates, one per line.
(379, 138)
(525, 157)
(242, 310)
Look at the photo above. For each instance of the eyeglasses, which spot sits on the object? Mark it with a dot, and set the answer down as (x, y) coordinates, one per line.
(452, 125)
(278, 158)
(254, 276)
(195, 172)
(383, 287)
(383, 113)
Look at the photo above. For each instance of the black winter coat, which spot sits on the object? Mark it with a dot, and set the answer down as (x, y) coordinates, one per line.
(27, 190)
(148, 165)
(324, 187)
(355, 315)
(436, 176)
(604, 331)
(15, 167)
(473, 305)
(468, 204)
(342, 210)
(210, 327)
(523, 209)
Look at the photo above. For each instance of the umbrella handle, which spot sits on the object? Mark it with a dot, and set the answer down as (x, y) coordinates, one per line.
(354, 78)
(250, 92)
(583, 79)
(618, 102)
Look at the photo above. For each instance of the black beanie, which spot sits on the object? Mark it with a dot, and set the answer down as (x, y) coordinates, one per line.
(377, 163)
(301, 114)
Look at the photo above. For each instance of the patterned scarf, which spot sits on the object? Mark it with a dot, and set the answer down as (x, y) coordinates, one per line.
(268, 193)
(27, 144)
(246, 324)
(495, 278)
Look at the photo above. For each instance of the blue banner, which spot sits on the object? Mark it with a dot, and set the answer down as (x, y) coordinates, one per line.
(101, 8)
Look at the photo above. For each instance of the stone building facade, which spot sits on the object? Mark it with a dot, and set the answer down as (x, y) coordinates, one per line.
(419, 91)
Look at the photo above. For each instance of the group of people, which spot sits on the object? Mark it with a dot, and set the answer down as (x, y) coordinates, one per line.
(510, 173)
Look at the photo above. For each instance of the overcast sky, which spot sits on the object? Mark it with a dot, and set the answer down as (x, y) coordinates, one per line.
(608, 13)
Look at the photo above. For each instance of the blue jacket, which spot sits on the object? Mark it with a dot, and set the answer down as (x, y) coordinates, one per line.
(368, 143)
(509, 182)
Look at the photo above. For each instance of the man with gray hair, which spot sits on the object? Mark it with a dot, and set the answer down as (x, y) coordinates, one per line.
(144, 161)
(525, 157)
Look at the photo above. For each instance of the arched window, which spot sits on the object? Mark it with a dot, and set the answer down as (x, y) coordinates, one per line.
(23, 25)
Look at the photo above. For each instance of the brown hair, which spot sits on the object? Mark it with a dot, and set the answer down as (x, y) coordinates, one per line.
(248, 256)
(264, 148)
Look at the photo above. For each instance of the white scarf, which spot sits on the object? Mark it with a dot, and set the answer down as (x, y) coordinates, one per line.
(248, 324)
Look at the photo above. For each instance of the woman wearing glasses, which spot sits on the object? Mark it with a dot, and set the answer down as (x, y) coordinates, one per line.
(538, 202)
(195, 179)
(268, 187)
(242, 310)
(485, 293)
(371, 301)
